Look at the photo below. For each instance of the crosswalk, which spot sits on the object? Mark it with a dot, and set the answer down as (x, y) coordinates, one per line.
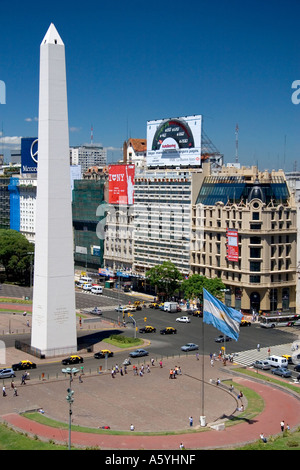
(246, 358)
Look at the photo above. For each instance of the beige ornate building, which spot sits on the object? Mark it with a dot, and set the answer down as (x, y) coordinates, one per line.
(260, 212)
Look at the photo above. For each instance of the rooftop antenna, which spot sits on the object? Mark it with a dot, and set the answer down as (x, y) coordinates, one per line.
(236, 143)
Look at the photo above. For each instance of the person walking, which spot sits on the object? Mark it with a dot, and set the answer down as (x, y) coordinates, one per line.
(16, 392)
(3, 391)
(191, 421)
(282, 425)
(258, 347)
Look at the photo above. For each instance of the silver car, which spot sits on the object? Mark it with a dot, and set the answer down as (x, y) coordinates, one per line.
(6, 373)
(261, 365)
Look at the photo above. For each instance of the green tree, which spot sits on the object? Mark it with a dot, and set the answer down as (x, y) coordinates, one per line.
(193, 287)
(15, 256)
(165, 277)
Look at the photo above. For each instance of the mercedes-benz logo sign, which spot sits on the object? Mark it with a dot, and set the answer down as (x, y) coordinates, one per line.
(33, 154)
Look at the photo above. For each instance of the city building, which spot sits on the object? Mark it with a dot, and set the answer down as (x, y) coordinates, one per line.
(135, 151)
(89, 208)
(87, 156)
(4, 203)
(162, 217)
(245, 233)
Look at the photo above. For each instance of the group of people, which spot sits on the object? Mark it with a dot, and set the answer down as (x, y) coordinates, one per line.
(174, 372)
(13, 387)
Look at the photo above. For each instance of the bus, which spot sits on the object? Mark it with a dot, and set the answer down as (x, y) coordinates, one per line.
(272, 320)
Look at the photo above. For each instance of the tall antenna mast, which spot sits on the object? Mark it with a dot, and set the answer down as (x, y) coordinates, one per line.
(236, 143)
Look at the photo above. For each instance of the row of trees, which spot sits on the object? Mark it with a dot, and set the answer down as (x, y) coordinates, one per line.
(16, 257)
(168, 281)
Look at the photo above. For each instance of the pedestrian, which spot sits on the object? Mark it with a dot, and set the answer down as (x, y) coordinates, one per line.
(131, 427)
(125, 369)
(152, 362)
(148, 368)
(282, 425)
(181, 446)
(23, 380)
(218, 381)
(211, 362)
(3, 391)
(263, 437)
(12, 384)
(258, 347)
(80, 379)
(269, 351)
(197, 356)
(160, 364)
(15, 392)
(112, 374)
(121, 371)
(191, 421)
(287, 427)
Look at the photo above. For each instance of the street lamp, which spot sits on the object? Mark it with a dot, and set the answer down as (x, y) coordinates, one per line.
(69, 397)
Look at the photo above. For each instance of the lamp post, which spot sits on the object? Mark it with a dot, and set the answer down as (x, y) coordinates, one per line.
(69, 397)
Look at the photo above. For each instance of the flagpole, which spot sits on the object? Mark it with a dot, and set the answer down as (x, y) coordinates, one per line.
(202, 364)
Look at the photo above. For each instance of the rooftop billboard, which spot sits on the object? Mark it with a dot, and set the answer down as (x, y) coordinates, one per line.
(29, 154)
(174, 142)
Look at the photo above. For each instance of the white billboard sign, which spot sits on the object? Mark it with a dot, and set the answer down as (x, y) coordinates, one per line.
(174, 142)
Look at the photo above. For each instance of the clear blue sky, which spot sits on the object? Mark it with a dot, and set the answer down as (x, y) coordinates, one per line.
(130, 62)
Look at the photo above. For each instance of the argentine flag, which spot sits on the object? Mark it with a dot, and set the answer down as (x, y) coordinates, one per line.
(225, 319)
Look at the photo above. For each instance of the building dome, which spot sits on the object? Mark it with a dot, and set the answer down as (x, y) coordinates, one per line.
(256, 192)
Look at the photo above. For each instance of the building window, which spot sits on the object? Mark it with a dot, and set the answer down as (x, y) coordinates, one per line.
(255, 215)
(254, 279)
(254, 266)
(255, 252)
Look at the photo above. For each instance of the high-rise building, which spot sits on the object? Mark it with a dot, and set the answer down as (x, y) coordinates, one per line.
(88, 155)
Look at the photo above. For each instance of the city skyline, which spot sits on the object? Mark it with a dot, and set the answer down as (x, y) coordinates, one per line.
(127, 64)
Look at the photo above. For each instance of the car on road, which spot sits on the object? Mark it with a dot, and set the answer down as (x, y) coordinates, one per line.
(121, 308)
(6, 373)
(282, 371)
(189, 347)
(87, 287)
(220, 339)
(245, 323)
(74, 359)
(147, 329)
(24, 365)
(183, 320)
(96, 311)
(103, 353)
(169, 330)
(261, 365)
(139, 353)
(297, 368)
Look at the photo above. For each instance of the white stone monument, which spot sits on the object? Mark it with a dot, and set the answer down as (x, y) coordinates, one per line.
(53, 312)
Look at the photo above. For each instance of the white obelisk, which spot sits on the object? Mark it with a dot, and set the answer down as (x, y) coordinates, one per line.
(53, 312)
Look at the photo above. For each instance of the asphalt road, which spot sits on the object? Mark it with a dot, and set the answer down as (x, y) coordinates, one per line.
(160, 345)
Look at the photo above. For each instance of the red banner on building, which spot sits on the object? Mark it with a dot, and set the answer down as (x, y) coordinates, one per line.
(232, 245)
(121, 184)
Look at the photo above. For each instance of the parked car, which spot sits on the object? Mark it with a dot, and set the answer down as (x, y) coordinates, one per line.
(6, 373)
(169, 330)
(261, 365)
(189, 347)
(147, 329)
(139, 353)
(220, 339)
(282, 371)
(245, 323)
(74, 359)
(183, 320)
(24, 365)
(103, 353)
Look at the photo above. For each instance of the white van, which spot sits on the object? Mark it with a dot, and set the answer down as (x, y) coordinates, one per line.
(96, 290)
(86, 280)
(277, 361)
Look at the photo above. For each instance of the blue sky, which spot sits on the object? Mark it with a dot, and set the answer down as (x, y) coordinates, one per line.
(130, 62)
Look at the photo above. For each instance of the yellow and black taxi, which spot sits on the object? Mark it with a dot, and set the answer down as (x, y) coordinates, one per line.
(245, 323)
(103, 353)
(169, 330)
(288, 357)
(147, 329)
(24, 365)
(74, 359)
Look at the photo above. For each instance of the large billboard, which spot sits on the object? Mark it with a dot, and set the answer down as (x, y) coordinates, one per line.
(29, 154)
(121, 184)
(232, 245)
(174, 142)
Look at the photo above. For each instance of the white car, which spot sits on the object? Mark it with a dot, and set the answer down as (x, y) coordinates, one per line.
(87, 287)
(183, 319)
